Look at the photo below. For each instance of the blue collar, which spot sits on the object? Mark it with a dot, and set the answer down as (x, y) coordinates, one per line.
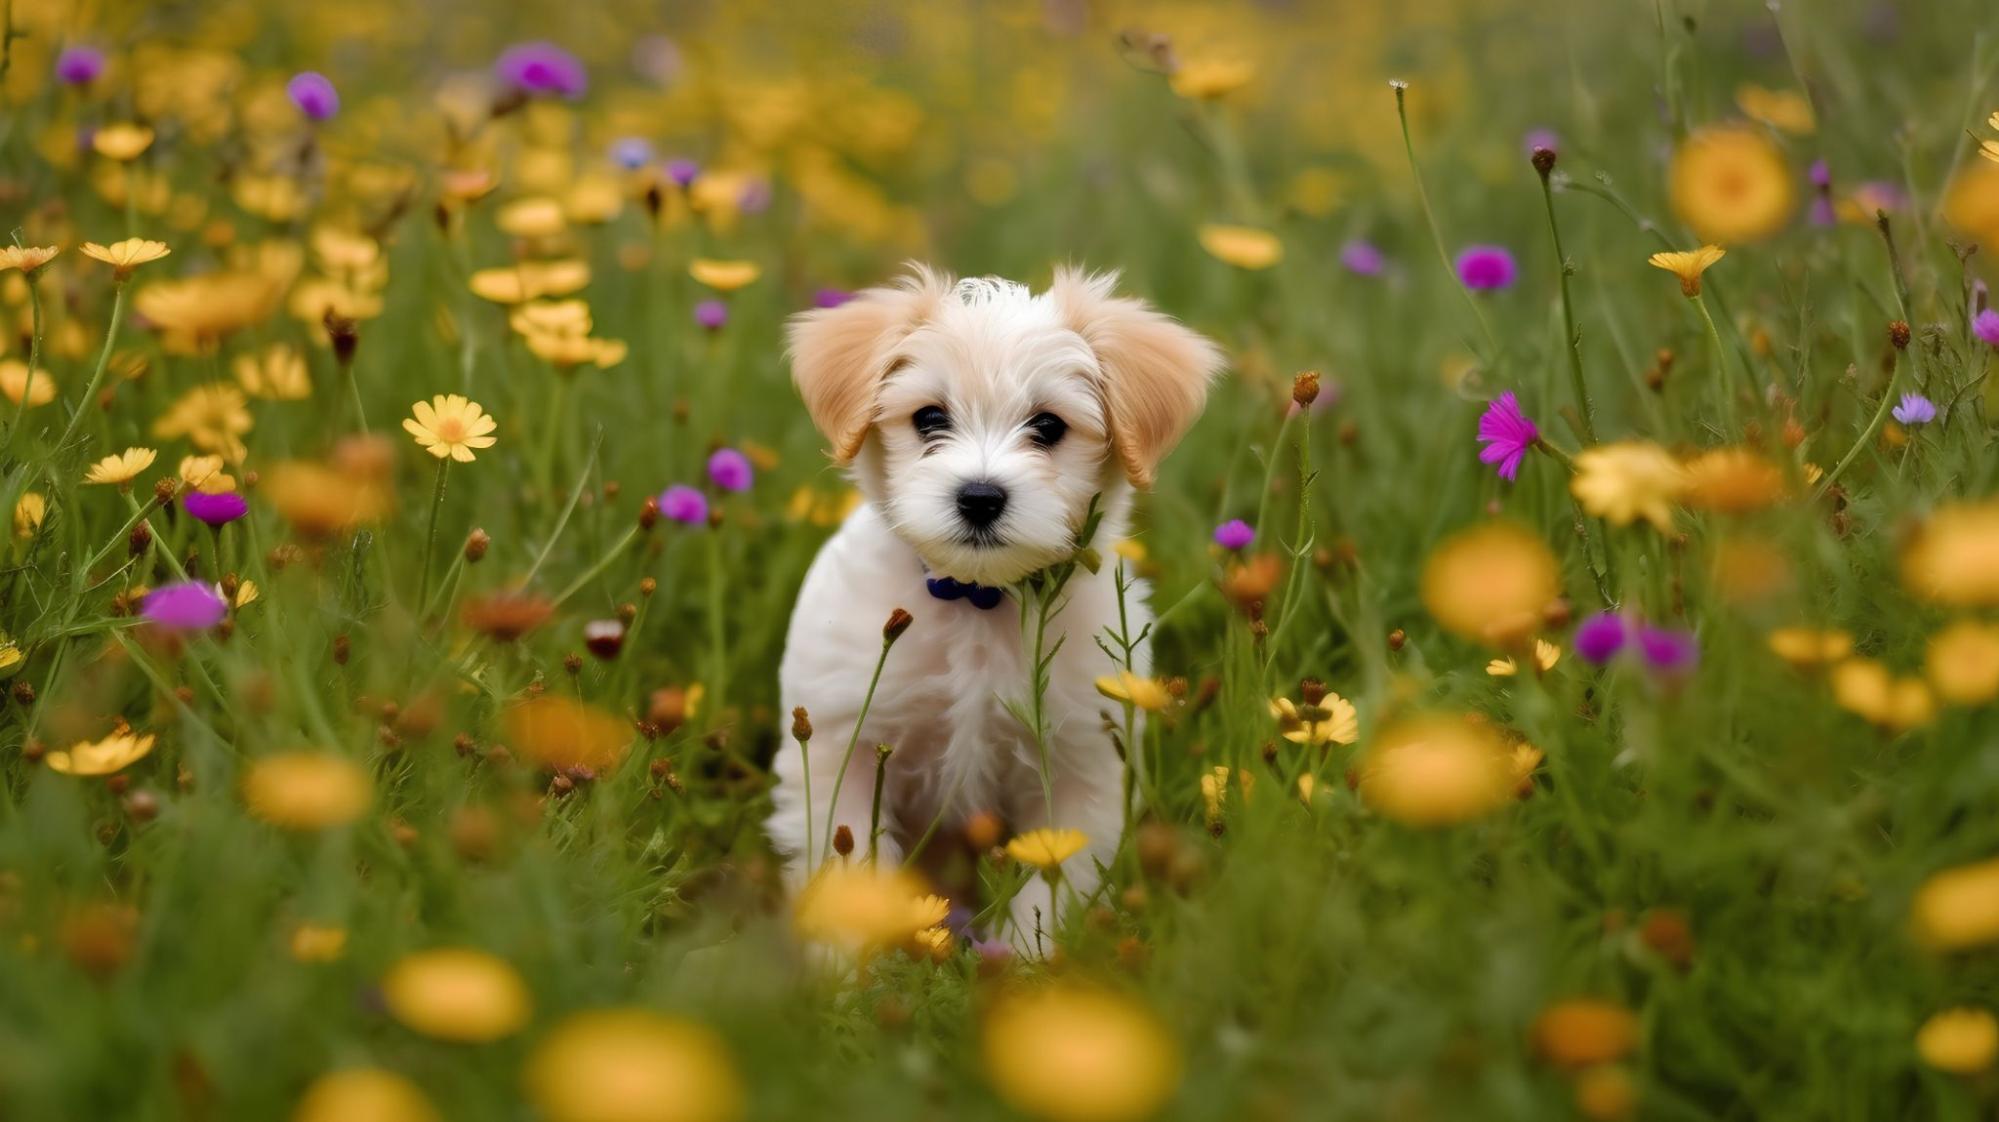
(982, 596)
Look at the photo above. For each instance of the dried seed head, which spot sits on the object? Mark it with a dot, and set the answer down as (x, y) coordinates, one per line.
(843, 842)
(1396, 638)
(141, 539)
(1898, 334)
(649, 514)
(573, 663)
(627, 612)
(345, 334)
(1312, 691)
(163, 490)
(24, 693)
(801, 725)
(898, 622)
(476, 544)
(342, 647)
(648, 586)
(1305, 389)
(1544, 161)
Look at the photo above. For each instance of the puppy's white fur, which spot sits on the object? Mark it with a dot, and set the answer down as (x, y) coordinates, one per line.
(1128, 381)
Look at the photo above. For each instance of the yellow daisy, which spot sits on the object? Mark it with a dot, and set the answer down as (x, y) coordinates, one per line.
(122, 141)
(1047, 848)
(1688, 265)
(22, 389)
(1629, 480)
(450, 426)
(27, 258)
(1245, 247)
(122, 468)
(29, 513)
(116, 752)
(1148, 694)
(1546, 655)
(724, 276)
(1334, 720)
(125, 256)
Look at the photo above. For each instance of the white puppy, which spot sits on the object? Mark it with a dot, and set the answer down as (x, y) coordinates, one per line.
(978, 421)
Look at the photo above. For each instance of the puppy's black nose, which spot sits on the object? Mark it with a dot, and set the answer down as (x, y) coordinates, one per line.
(981, 503)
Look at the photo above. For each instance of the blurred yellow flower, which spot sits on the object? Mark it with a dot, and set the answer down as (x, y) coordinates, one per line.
(1584, 1032)
(364, 1094)
(29, 512)
(449, 426)
(318, 500)
(1245, 247)
(1730, 184)
(554, 731)
(194, 314)
(1629, 480)
(1068, 1053)
(1205, 79)
(123, 141)
(307, 790)
(116, 752)
(1490, 583)
(1215, 789)
(551, 317)
(312, 942)
(1958, 908)
(1047, 847)
(858, 907)
(531, 218)
(1332, 721)
(125, 256)
(277, 374)
(204, 473)
(21, 389)
(632, 1065)
(466, 185)
(1788, 110)
(1963, 662)
(1733, 481)
(458, 994)
(1148, 694)
(213, 417)
(1806, 647)
(1962, 1041)
(122, 468)
(1953, 558)
(1971, 202)
(1868, 689)
(1688, 265)
(1546, 655)
(724, 276)
(27, 258)
(530, 280)
(1436, 771)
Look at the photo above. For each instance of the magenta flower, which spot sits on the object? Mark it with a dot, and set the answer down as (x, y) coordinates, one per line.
(80, 65)
(730, 470)
(1915, 409)
(1507, 433)
(1986, 326)
(1363, 258)
(1483, 268)
(711, 314)
(1537, 139)
(683, 171)
(314, 95)
(216, 510)
(186, 606)
(1821, 174)
(831, 297)
(1668, 652)
(684, 505)
(1235, 534)
(542, 68)
(1601, 636)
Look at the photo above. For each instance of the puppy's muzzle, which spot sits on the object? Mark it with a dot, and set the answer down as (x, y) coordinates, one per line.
(981, 503)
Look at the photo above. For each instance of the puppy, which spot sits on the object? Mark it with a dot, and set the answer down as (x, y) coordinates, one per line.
(978, 421)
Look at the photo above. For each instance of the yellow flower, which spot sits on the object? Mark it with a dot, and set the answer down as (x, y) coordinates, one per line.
(530, 280)
(27, 258)
(311, 942)
(125, 256)
(16, 383)
(1962, 1041)
(1866, 688)
(1215, 789)
(194, 314)
(632, 1065)
(1729, 184)
(1733, 481)
(307, 790)
(1205, 79)
(1148, 694)
(1245, 247)
(1491, 583)
(569, 351)
(551, 317)
(1788, 110)
(531, 218)
(1963, 662)
(724, 276)
(1954, 557)
(860, 907)
(1971, 202)
(116, 752)
(1989, 149)
(205, 474)
(279, 374)
(1585, 1032)
(1805, 647)
(122, 142)
(458, 994)
(121, 468)
(1688, 265)
(1627, 481)
(1068, 1053)
(1047, 847)
(1546, 655)
(450, 426)
(1958, 908)
(364, 1094)
(319, 500)
(29, 512)
(554, 731)
(246, 594)
(213, 416)
(1333, 721)
(1436, 771)
(1131, 549)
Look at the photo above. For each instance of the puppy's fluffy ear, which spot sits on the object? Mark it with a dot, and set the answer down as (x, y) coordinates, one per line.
(1155, 370)
(839, 356)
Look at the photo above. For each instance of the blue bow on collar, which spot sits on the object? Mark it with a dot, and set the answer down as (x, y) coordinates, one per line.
(983, 597)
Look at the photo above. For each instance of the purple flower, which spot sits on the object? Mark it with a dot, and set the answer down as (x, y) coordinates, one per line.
(711, 314)
(314, 94)
(831, 297)
(1234, 534)
(1823, 212)
(80, 65)
(683, 171)
(1541, 138)
(755, 196)
(542, 68)
(186, 606)
(1821, 174)
(1601, 636)
(1486, 267)
(215, 510)
(1667, 651)
(729, 470)
(1915, 409)
(1363, 258)
(1507, 433)
(631, 152)
(684, 504)
(1986, 326)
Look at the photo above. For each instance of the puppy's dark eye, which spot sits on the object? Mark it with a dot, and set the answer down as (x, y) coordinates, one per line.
(1046, 429)
(930, 420)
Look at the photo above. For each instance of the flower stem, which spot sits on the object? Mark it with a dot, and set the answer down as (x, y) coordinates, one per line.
(430, 536)
(97, 376)
(1866, 434)
(1573, 342)
(602, 563)
(1430, 219)
(854, 738)
(805, 770)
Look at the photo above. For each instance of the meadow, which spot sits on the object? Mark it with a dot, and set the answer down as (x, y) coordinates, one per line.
(1579, 602)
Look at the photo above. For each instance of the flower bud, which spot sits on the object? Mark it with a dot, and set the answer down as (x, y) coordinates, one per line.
(163, 489)
(898, 622)
(476, 545)
(649, 514)
(1544, 161)
(1898, 334)
(1305, 389)
(801, 725)
(843, 842)
(345, 334)
(1312, 691)
(1396, 638)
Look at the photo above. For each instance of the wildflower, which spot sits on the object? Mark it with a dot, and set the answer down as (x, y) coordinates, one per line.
(1208, 79)
(1490, 583)
(1953, 558)
(1245, 247)
(450, 426)
(1234, 535)
(314, 95)
(113, 753)
(27, 258)
(24, 389)
(1729, 184)
(1732, 480)
(1331, 720)
(1047, 847)
(122, 141)
(857, 908)
(457, 994)
(1668, 652)
(1148, 694)
(604, 637)
(1068, 1053)
(1958, 908)
(684, 505)
(711, 314)
(724, 276)
(278, 374)
(1584, 1032)
(320, 501)
(1540, 140)
(1963, 662)
(214, 416)
(834, 297)
(1961, 1041)
(506, 616)
(1627, 481)
(126, 256)
(1985, 325)
(1869, 690)
(1436, 771)
(1804, 647)
(631, 152)
(541, 68)
(1788, 110)
(682, 171)
(372, 1093)
(1507, 434)
(1688, 265)
(79, 65)
(531, 218)
(216, 509)
(29, 513)
(632, 1065)
(185, 606)
(306, 790)
(730, 470)
(561, 733)
(313, 942)
(1486, 267)
(1363, 258)
(122, 468)
(1914, 409)
(530, 280)
(195, 314)
(1546, 655)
